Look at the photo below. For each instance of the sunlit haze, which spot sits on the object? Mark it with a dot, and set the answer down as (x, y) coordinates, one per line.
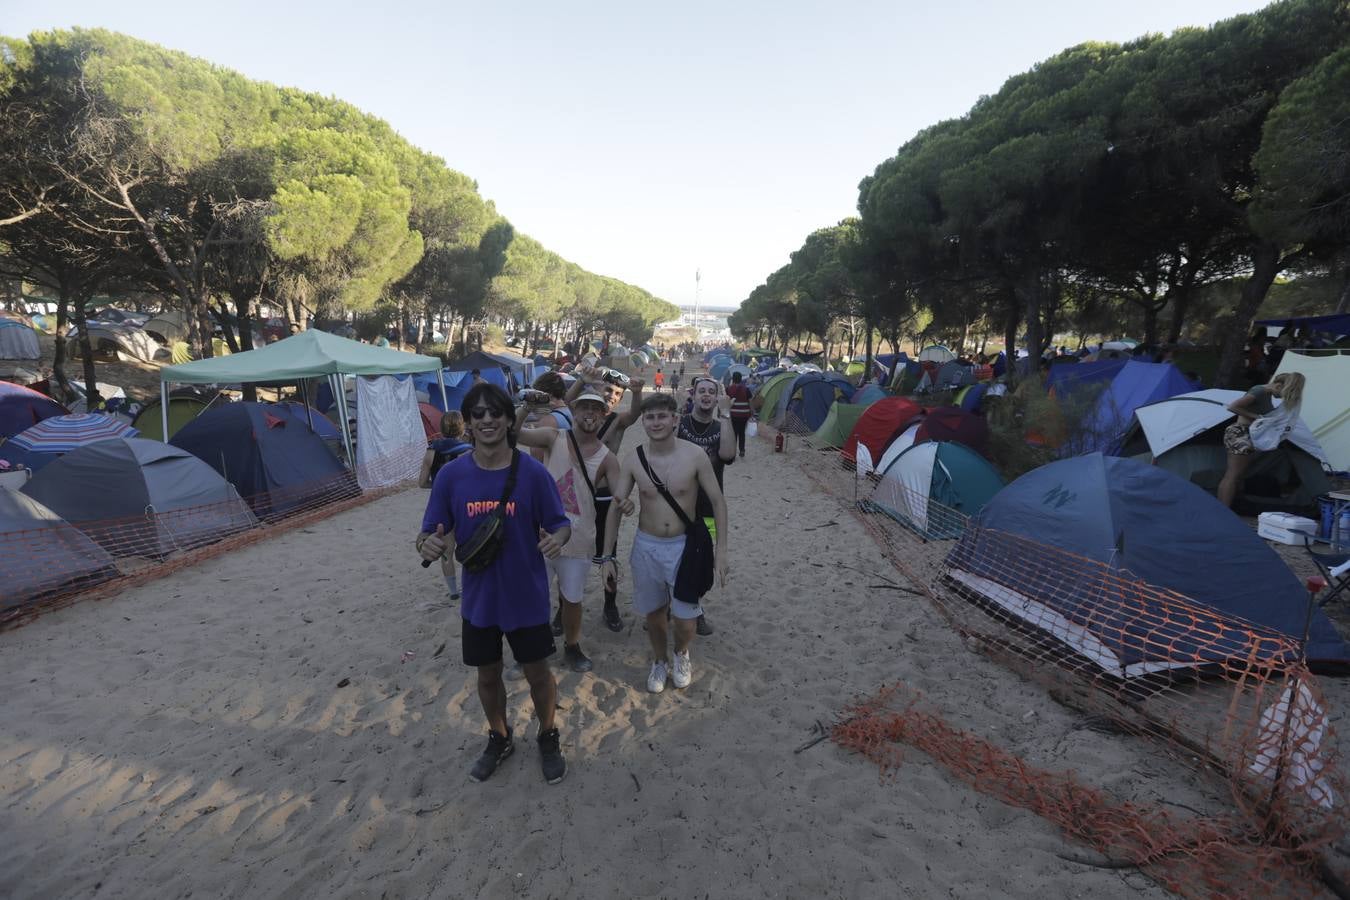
(640, 141)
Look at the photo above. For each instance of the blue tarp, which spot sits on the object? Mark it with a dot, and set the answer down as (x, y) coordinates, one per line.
(1337, 323)
(1142, 522)
(1136, 384)
(272, 458)
(489, 365)
(457, 386)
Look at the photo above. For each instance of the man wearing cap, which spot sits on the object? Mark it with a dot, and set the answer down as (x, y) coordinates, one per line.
(578, 462)
(590, 378)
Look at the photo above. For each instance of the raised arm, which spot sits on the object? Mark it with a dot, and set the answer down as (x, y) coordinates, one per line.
(581, 376)
(708, 481)
(537, 437)
(726, 442)
(635, 386)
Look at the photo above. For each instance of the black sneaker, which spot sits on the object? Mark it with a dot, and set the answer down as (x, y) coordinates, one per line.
(498, 749)
(550, 757)
(557, 622)
(612, 620)
(575, 659)
(703, 627)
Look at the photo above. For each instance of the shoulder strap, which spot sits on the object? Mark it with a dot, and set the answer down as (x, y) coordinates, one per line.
(609, 420)
(660, 486)
(510, 479)
(581, 463)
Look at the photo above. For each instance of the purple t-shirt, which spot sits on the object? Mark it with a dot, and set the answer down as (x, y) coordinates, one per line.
(512, 592)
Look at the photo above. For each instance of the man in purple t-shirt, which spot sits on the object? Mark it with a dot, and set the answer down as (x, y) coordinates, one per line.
(509, 598)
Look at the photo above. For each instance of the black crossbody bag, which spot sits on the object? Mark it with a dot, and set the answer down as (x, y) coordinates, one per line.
(486, 543)
(696, 573)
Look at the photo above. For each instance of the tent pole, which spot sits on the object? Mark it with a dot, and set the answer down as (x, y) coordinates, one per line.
(164, 409)
(304, 398)
(341, 396)
(445, 401)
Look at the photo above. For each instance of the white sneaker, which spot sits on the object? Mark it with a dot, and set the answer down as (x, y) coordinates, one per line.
(656, 681)
(683, 671)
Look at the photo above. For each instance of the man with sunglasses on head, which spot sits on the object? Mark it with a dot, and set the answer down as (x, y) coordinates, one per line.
(591, 378)
(509, 597)
(708, 426)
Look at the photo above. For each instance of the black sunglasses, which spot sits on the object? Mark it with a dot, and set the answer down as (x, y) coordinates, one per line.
(479, 412)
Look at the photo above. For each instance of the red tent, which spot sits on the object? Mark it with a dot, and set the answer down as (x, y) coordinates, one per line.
(431, 420)
(879, 424)
(948, 423)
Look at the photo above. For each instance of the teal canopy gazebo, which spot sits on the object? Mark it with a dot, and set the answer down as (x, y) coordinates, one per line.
(309, 354)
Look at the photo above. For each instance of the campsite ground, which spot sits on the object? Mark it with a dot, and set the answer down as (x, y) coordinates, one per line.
(293, 721)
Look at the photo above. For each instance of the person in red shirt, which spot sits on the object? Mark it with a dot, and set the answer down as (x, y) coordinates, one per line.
(659, 380)
(740, 409)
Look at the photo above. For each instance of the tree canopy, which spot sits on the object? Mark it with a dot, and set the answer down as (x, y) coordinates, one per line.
(130, 166)
(1099, 191)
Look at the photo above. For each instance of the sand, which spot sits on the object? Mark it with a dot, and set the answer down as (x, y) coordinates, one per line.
(284, 722)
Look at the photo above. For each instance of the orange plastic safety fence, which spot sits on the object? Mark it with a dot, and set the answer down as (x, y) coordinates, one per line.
(1195, 857)
(1222, 693)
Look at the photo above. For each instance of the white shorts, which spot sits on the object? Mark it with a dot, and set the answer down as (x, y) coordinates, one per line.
(571, 574)
(654, 562)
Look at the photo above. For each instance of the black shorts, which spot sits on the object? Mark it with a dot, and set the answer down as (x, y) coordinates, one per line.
(601, 514)
(483, 646)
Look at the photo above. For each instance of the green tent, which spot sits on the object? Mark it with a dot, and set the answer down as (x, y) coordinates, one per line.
(182, 410)
(838, 424)
(770, 391)
(854, 368)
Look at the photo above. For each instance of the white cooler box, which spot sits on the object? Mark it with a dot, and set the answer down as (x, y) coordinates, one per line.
(1284, 528)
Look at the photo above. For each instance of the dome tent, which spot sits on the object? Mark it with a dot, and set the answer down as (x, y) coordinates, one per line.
(1184, 435)
(271, 456)
(137, 497)
(880, 424)
(933, 487)
(21, 408)
(41, 553)
(807, 402)
(18, 341)
(1134, 569)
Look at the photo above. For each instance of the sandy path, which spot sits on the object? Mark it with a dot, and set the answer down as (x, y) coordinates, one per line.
(190, 737)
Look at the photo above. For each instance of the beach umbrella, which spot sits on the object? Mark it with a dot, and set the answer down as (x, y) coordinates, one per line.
(48, 439)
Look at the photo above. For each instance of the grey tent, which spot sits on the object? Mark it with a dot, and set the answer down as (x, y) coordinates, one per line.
(41, 554)
(137, 497)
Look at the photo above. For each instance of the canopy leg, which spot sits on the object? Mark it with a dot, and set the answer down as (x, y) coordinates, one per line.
(164, 410)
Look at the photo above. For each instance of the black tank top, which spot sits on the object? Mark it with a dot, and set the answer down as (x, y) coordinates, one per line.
(707, 435)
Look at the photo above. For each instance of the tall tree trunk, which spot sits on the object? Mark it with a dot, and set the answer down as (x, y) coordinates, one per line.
(1266, 265)
(62, 351)
(1181, 302)
(1012, 318)
(1343, 304)
(867, 366)
(91, 394)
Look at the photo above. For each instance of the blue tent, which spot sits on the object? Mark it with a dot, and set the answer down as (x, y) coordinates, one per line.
(457, 386)
(868, 393)
(886, 362)
(1139, 523)
(719, 365)
(1064, 378)
(489, 366)
(1135, 385)
(972, 397)
(323, 426)
(810, 396)
(269, 454)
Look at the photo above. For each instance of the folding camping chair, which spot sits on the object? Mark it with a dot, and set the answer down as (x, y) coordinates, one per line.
(1325, 562)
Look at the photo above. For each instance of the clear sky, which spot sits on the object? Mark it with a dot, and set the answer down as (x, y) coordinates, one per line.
(644, 140)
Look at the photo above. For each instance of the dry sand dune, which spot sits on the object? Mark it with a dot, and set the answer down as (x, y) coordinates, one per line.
(279, 723)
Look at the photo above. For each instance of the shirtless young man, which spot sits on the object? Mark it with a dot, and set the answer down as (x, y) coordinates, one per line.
(578, 461)
(684, 470)
(611, 432)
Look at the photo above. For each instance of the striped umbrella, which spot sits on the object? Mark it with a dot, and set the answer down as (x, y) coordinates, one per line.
(61, 434)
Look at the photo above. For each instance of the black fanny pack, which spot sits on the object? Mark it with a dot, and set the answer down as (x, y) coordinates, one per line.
(486, 543)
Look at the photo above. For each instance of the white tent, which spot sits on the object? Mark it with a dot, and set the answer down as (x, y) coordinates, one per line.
(903, 441)
(936, 353)
(1172, 422)
(1326, 401)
